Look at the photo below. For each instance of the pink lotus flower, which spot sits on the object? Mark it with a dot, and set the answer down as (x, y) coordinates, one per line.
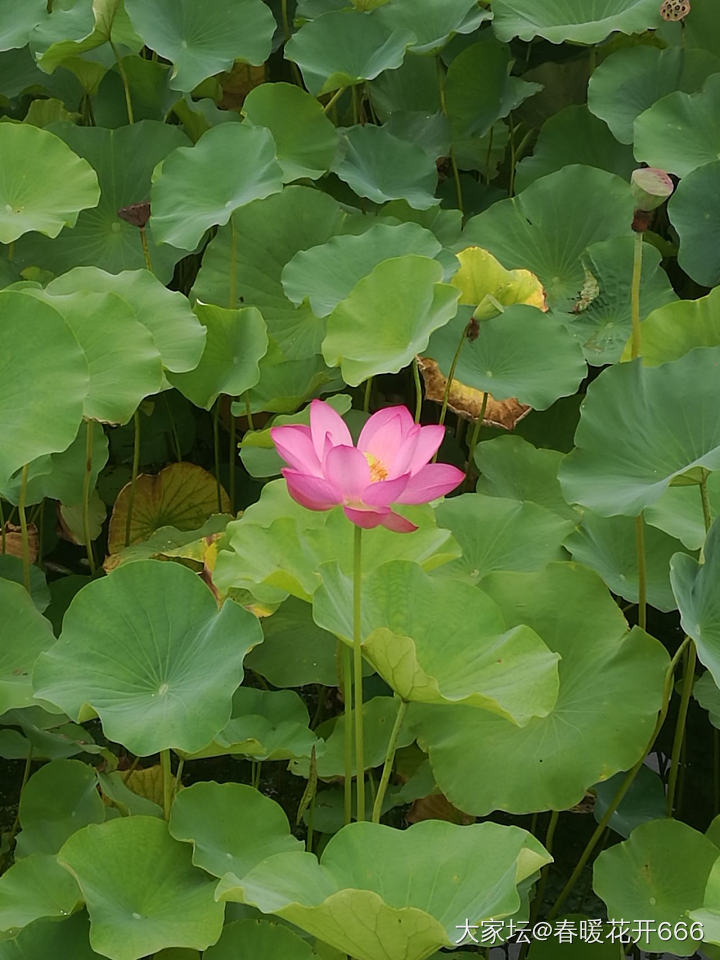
(389, 465)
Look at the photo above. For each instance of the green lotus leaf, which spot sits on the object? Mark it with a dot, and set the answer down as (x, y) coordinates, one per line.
(123, 360)
(78, 27)
(259, 940)
(500, 534)
(388, 318)
(182, 495)
(286, 383)
(200, 186)
(326, 274)
(707, 695)
(59, 476)
(378, 718)
(48, 735)
(47, 355)
(277, 557)
(306, 140)
(44, 184)
(148, 650)
(295, 650)
(432, 24)
(574, 135)
(671, 331)
(231, 826)
(630, 81)
(16, 24)
(693, 119)
(141, 890)
(695, 587)
(343, 48)
(236, 341)
(659, 874)
(380, 892)
(25, 634)
(479, 89)
(257, 450)
(645, 800)
(693, 212)
(377, 165)
(608, 545)
(129, 803)
(13, 569)
(511, 467)
(522, 353)
(248, 256)
(582, 21)
(123, 160)
(58, 799)
(602, 317)
(479, 662)
(634, 437)
(177, 333)
(61, 940)
(36, 886)
(583, 740)
(708, 914)
(265, 725)
(547, 227)
(200, 43)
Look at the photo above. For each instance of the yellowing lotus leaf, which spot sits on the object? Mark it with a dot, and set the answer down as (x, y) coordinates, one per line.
(483, 282)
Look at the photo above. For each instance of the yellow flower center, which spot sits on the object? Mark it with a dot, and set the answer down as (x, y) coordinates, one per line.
(378, 470)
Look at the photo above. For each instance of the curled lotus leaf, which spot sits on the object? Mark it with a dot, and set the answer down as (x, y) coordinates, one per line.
(480, 662)
(582, 21)
(484, 283)
(696, 591)
(634, 437)
(231, 826)
(141, 889)
(25, 634)
(44, 184)
(378, 891)
(583, 740)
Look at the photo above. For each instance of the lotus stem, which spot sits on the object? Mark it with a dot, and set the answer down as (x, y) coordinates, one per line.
(624, 786)
(216, 451)
(418, 390)
(389, 761)
(248, 411)
(453, 162)
(334, 99)
(707, 511)
(178, 776)
(3, 542)
(233, 455)
(232, 278)
(126, 85)
(716, 768)
(347, 698)
(167, 782)
(451, 375)
(678, 739)
(357, 672)
(642, 571)
(368, 392)
(23, 527)
(146, 249)
(635, 294)
(86, 494)
(133, 476)
(540, 893)
(476, 430)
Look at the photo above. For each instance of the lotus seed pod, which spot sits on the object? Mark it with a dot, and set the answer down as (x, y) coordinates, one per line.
(651, 187)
